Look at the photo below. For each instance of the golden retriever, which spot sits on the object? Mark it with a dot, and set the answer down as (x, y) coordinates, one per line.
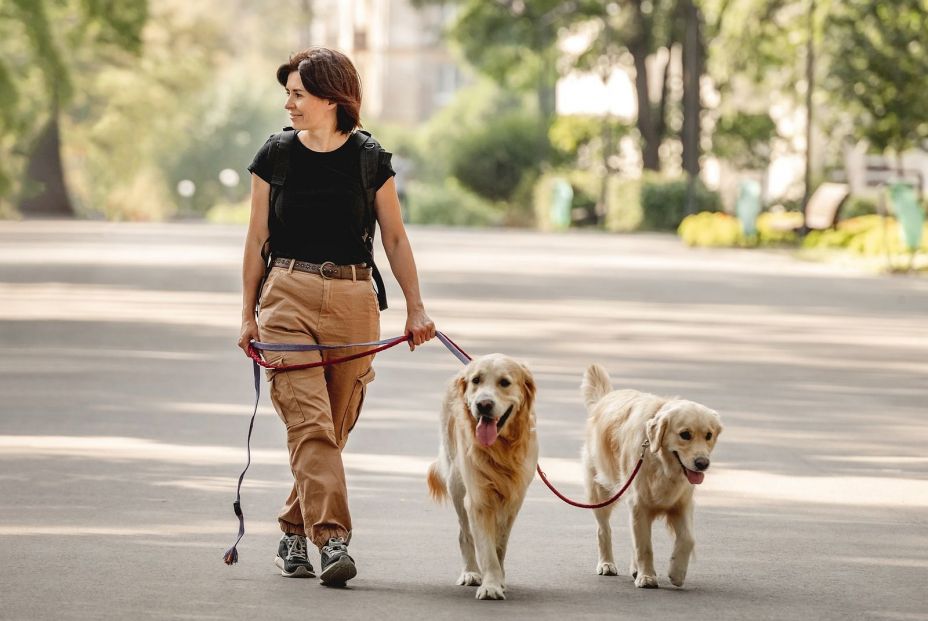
(681, 434)
(485, 462)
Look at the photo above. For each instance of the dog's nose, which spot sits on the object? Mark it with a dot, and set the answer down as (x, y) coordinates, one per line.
(701, 463)
(485, 406)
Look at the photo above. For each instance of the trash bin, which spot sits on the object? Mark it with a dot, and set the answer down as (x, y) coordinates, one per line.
(562, 196)
(747, 206)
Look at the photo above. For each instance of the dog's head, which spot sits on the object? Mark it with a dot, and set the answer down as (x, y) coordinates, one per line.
(498, 392)
(684, 434)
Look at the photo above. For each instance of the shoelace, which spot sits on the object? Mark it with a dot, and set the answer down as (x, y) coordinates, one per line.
(296, 549)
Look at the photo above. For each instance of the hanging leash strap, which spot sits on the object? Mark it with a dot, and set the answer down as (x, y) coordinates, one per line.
(599, 505)
(230, 556)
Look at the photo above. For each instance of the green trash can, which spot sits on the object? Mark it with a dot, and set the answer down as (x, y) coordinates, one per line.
(908, 211)
(562, 198)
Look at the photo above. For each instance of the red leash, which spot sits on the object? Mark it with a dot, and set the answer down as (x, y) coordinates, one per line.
(254, 355)
(599, 505)
(464, 357)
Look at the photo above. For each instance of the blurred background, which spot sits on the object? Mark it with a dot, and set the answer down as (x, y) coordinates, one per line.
(800, 123)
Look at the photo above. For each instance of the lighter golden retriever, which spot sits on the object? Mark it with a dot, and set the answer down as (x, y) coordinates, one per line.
(681, 436)
(485, 463)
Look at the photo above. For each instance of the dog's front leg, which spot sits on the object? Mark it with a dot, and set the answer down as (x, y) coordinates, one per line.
(682, 526)
(484, 529)
(470, 575)
(643, 563)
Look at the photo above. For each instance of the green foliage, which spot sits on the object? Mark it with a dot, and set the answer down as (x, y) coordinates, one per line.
(47, 50)
(580, 139)
(623, 198)
(744, 139)
(496, 159)
(858, 206)
(711, 229)
(449, 204)
(870, 236)
(717, 229)
(879, 60)
(663, 202)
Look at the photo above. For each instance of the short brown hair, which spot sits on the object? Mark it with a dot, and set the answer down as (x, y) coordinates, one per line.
(330, 75)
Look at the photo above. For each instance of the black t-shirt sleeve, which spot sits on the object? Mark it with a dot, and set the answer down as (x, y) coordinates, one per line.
(261, 165)
(385, 170)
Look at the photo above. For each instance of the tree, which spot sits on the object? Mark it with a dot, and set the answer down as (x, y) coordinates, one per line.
(37, 82)
(877, 71)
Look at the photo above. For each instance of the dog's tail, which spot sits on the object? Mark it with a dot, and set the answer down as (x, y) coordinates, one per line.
(596, 384)
(437, 489)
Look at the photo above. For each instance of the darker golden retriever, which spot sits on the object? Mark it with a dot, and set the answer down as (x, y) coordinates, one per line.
(486, 461)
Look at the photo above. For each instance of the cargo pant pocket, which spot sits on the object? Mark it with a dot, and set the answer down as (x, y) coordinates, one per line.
(283, 396)
(353, 410)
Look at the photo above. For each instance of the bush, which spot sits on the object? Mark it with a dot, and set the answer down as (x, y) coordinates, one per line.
(719, 229)
(663, 202)
(496, 159)
(864, 235)
(709, 228)
(449, 204)
(858, 206)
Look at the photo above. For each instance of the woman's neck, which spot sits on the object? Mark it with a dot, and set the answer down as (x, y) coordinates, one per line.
(322, 139)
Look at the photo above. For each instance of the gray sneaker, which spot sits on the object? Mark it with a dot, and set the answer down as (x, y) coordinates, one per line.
(337, 567)
(292, 559)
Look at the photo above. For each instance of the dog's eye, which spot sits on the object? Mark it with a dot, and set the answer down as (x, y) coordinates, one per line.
(686, 435)
(709, 436)
(504, 382)
(476, 380)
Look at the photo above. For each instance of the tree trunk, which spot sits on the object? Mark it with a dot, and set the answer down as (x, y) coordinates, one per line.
(640, 48)
(810, 89)
(692, 105)
(45, 190)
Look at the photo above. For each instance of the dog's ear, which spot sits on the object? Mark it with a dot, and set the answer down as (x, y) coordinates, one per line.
(655, 430)
(528, 387)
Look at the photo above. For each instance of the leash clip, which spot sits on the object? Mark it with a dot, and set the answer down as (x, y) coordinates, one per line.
(644, 446)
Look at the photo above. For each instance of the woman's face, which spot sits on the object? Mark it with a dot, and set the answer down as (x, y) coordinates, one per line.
(306, 110)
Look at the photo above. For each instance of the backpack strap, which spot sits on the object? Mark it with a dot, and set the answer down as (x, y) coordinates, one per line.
(280, 159)
(370, 164)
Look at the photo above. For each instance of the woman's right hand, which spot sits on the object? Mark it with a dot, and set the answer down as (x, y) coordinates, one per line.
(249, 333)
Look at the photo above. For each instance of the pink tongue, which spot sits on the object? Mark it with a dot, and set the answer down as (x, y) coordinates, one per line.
(486, 431)
(694, 477)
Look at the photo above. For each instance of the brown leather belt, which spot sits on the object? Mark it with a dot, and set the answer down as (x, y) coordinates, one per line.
(327, 270)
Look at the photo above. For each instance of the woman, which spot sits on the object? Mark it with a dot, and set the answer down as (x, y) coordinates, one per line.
(319, 290)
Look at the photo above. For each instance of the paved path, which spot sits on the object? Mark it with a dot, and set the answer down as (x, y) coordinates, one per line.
(125, 403)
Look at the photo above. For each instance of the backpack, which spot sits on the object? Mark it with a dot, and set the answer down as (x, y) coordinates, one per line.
(370, 163)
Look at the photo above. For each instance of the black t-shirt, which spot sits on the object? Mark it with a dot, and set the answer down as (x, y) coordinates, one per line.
(321, 214)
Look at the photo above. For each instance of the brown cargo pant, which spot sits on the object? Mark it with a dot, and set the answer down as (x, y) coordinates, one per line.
(319, 406)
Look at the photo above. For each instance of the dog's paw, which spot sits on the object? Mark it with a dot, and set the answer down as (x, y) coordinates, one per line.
(469, 578)
(607, 569)
(677, 579)
(491, 591)
(646, 582)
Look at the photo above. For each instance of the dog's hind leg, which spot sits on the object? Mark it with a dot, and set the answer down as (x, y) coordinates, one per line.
(470, 575)
(606, 565)
(681, 524)
(643, 560)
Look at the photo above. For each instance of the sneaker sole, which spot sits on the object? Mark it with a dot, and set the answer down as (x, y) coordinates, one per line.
(339, 572)
(299, 572)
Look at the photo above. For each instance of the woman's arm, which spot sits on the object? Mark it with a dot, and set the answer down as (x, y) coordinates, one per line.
(252, 263)
(399, 253)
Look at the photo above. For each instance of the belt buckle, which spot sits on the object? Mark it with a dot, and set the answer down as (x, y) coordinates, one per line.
(328, 270)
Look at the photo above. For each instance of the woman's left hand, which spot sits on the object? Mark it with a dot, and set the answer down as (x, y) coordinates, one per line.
(420, 327)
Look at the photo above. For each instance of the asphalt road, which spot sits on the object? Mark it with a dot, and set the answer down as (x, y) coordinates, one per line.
(125, 405)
